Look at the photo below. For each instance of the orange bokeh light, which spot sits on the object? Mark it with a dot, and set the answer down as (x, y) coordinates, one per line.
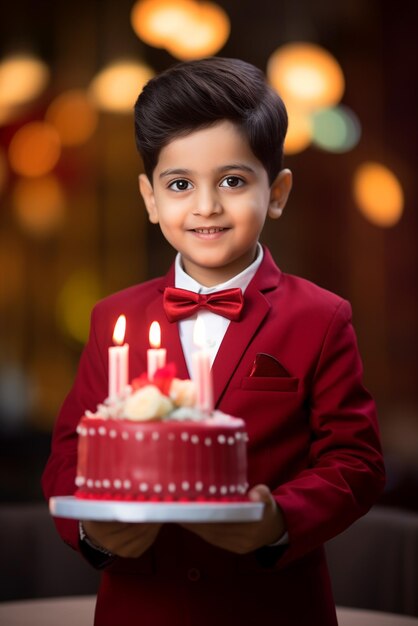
(186, 28)
(379, 194)
(116, 87)
(35, 149)
(39, 204)
(306, 75)
(73, 116)
(299, 133)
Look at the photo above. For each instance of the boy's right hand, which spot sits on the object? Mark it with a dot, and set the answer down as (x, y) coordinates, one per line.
(121, 539)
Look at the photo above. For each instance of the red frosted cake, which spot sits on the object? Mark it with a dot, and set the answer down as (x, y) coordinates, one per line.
(154, 445)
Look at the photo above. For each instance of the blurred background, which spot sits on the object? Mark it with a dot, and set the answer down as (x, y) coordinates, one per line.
(73, 227)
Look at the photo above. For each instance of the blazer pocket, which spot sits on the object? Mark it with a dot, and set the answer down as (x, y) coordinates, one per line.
(270, 383)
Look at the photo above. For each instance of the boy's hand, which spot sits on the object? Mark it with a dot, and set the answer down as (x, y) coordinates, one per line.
(120, 538)
(245, 537)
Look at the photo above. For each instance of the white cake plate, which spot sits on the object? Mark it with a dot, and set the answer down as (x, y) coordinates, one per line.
(102, 510)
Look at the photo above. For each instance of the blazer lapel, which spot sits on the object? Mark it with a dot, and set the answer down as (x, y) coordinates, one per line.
(240, 334)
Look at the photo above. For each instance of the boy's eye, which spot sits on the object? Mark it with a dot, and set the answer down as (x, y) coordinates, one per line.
(180, 185)
(232, 181)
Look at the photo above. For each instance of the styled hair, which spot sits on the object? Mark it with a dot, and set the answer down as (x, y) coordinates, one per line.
(197, 94)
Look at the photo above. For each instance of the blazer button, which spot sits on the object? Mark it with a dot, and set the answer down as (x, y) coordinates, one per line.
(193, 574)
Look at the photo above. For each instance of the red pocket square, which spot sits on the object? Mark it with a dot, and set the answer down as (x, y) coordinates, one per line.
(267, 365)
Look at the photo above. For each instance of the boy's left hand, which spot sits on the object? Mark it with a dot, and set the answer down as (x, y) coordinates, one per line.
(245, 537)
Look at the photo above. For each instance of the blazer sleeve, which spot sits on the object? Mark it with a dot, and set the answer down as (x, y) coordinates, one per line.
(90, 387)
(345, 474)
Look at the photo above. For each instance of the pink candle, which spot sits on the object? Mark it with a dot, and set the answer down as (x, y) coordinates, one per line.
(156, 355)
(202, 374)
(118, 360)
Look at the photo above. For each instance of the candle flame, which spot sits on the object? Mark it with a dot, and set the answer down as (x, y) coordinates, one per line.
(119, 331)
(199, 333)
(155, 335)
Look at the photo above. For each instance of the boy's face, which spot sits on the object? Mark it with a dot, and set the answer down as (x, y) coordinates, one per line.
(211, 195)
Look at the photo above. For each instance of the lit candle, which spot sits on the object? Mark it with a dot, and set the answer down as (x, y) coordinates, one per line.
(202, 374)
(156, 355)
(118, 360)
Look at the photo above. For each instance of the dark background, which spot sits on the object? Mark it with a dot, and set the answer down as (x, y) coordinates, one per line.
(322, 236)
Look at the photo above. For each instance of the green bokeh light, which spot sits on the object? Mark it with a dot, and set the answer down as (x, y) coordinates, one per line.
(335, 129)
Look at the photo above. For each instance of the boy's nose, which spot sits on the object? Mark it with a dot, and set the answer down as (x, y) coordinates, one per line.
(207, 203)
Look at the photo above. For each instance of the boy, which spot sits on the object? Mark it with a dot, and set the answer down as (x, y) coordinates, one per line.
(211, 135)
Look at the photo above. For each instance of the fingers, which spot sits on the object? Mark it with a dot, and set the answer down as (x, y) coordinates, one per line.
(122, 539)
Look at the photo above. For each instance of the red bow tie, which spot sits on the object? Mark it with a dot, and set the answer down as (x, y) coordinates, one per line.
(181, 303)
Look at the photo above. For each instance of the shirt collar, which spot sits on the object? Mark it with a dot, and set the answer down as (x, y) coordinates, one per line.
(241, 280)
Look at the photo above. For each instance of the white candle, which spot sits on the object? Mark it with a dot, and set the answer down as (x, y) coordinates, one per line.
(118, 360)
(156, 355)
(202, 374)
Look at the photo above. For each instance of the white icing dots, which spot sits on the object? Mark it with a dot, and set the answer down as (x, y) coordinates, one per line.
(90, 483)
(79, 481)
(106, 483)
(158, 488)
(231, 441)
(102, 430)
(223, 490)
(125, 435)
(185, 485)
(126, 484)
(212, 489)
(185, 436)
(117, 483)
(139, 436)
(199, 486)
(143, 487)
(171, 487)
(155, 436)
(92, 432)
(98, 484)
(194, 439)
(208, 441)
(112, 433)
(221, 439)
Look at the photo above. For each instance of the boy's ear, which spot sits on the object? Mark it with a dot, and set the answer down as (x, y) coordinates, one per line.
(147, 194)
(279, 193)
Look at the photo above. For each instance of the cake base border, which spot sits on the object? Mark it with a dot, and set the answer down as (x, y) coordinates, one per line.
(208, 512)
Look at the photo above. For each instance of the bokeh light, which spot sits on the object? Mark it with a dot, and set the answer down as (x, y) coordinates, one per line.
(22, 78)
(157, 22)
(39, 204)
(299, 133)
(75, 301)
(378, 194)
(203, 34)
(116, 88)
(73, 116)
(336, 129)
(35, 149)
(186, 28)
(306, 75)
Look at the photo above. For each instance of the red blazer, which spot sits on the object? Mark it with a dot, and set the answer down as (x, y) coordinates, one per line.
(313, 439)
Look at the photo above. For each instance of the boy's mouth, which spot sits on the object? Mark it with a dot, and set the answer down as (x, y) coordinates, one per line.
(208, 231)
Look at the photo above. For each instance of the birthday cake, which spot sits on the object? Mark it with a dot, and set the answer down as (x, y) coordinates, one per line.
(152, 444)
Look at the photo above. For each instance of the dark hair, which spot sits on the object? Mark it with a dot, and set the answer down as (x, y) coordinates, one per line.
(198, 94)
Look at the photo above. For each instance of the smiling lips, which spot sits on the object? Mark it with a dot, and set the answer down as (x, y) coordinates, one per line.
(208, 231)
